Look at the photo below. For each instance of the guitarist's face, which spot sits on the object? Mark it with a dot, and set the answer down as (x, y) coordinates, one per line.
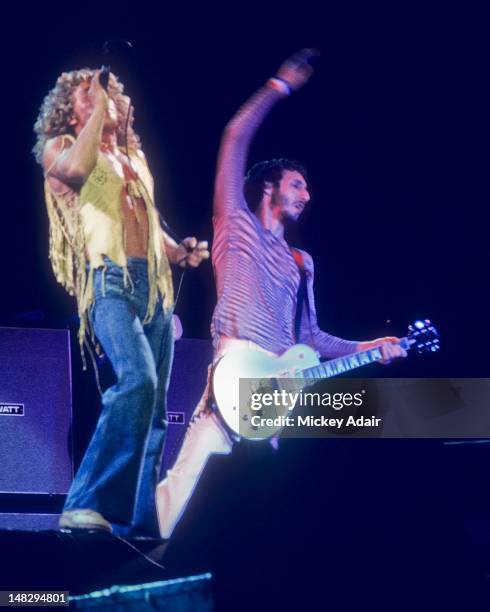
(291, 196)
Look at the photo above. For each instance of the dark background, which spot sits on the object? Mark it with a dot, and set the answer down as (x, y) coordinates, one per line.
(394, 130)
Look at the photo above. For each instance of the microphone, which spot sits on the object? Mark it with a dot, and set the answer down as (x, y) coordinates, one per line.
(104, 76)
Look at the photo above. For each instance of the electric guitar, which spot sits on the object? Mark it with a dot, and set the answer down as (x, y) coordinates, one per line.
(240, 374)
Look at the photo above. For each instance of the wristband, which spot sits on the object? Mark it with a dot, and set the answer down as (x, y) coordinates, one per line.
(280, 84)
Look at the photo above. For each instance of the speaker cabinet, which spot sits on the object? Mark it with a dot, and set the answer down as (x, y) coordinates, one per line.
(35, 411)
(187, 383)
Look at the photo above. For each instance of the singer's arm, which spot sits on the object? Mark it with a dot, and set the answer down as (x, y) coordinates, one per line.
(72, 165)
(189, 252)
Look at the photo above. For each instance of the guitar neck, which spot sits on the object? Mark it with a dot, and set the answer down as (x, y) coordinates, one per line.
(334, 367)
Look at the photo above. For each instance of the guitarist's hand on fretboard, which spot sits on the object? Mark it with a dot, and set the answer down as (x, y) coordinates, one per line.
(390, 348)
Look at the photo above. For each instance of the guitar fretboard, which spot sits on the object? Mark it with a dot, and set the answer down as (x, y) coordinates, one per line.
(342, 364)
(334, 367)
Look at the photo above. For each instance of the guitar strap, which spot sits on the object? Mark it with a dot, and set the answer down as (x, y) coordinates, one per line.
(302, 298)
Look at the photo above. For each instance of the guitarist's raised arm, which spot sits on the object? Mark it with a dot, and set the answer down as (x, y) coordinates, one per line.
(239, 132)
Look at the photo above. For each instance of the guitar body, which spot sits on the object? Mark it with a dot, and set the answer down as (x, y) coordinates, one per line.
(256, 371)
(238, 375)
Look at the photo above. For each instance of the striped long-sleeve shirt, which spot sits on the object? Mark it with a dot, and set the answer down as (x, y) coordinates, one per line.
(257, 278)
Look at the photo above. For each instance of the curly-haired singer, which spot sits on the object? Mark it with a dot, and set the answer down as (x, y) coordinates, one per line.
(107, 248)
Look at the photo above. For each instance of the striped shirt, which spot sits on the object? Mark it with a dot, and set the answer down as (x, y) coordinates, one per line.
(257, 278)
(257, 283)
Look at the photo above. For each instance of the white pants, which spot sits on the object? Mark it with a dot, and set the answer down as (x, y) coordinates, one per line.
(205, 436)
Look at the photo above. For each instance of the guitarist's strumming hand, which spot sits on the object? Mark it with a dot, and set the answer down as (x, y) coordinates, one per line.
(390, 348)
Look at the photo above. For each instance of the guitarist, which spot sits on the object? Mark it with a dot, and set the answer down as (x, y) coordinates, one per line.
(259, 278)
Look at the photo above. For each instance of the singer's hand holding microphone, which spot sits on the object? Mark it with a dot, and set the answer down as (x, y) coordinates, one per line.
(97, 92)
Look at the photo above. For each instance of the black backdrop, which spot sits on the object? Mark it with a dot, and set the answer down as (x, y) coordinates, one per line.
(394, 131)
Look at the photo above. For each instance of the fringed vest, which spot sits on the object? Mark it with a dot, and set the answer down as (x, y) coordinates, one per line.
(86, 226)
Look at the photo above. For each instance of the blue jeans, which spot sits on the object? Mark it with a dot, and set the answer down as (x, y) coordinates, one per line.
(119, 472)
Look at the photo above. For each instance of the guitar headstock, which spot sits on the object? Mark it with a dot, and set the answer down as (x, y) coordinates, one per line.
(423, 336)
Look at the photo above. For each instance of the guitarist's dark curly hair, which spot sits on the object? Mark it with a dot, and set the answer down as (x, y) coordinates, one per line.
(268, 171)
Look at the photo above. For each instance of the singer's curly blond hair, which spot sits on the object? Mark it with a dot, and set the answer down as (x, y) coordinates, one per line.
(57, 110)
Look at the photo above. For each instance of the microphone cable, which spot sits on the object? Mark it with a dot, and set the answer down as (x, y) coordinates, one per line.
(104, 78)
